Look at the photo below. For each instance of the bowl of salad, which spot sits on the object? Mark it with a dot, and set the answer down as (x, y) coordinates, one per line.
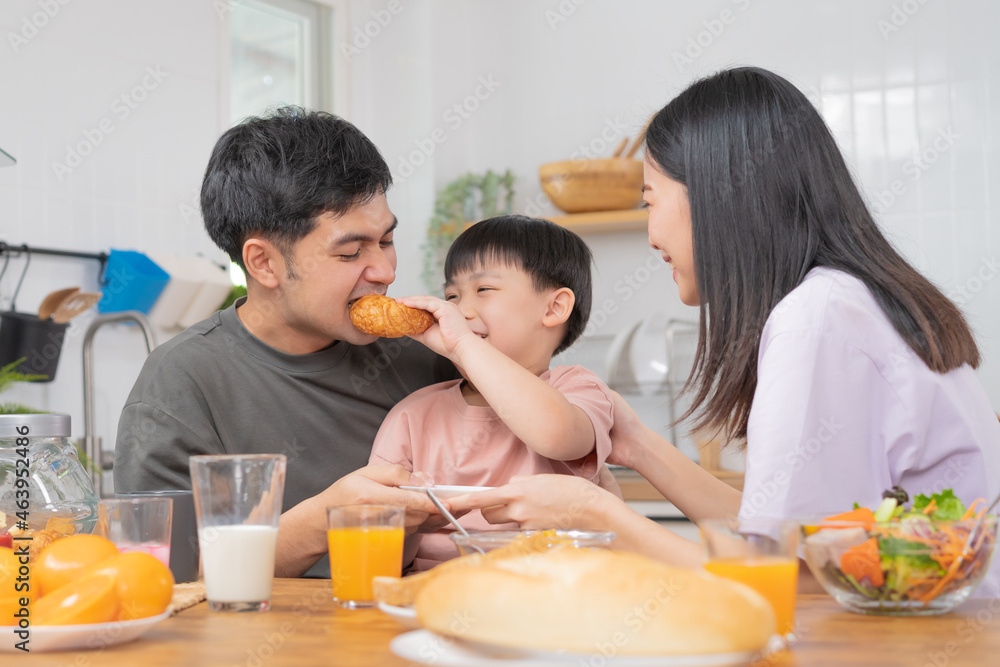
(902, 558)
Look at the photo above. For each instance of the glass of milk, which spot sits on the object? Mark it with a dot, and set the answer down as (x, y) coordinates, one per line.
(137, 523)
(238, 503)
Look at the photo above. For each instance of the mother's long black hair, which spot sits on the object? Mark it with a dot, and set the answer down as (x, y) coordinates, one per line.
(771, 198)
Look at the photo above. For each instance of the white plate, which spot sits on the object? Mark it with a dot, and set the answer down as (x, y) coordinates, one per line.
(405, 616)
(81, 637)
(427, 648)
(444, 491)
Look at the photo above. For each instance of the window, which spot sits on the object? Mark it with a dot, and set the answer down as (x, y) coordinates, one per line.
(278, 55)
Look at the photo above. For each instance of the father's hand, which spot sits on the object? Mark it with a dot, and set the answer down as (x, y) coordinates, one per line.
(376, 485)
(302, 531)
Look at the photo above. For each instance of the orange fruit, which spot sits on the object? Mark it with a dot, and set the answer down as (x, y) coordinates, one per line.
(144, 584)
(65, 560)
(89, 599)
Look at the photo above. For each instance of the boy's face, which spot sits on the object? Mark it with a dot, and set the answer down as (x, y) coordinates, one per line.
(340, 261)
(501, 304)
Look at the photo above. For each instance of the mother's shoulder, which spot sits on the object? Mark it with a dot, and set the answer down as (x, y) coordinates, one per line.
(828, 301)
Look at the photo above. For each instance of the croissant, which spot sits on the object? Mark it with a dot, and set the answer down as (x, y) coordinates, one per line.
(382, 316)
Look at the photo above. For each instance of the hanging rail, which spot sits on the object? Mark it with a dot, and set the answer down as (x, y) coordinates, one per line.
(7, 249)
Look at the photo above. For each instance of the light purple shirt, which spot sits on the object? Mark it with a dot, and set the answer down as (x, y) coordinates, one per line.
(845, 409)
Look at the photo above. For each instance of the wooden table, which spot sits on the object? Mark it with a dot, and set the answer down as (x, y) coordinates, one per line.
(305, 628)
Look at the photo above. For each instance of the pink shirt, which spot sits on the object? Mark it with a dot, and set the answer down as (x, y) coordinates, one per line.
(844, 409)
(435, 431)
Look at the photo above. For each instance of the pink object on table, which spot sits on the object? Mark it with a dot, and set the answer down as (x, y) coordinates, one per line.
(160, 551)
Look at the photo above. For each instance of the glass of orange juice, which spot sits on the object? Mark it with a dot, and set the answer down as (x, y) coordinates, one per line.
(761, 553)
(366, 541)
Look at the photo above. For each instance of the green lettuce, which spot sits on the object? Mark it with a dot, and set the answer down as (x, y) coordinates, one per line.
(947, 506)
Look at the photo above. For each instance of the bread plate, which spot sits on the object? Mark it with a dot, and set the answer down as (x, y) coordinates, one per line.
(426, 648)
(97, 636)
(445, 491)
(405, 616)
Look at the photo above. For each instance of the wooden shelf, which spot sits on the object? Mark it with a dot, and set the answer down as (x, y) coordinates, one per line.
(635, 487)
(603, 222)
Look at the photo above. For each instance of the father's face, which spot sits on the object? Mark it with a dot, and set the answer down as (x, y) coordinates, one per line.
(340, 261)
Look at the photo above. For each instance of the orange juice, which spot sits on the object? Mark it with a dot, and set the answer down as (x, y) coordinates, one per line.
(360, 553)
(774, 577)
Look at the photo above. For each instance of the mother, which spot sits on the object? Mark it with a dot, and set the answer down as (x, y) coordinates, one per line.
(843, 370)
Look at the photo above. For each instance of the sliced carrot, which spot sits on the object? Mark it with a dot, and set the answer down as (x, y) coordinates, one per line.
(931, 506)
(862, 561)
(972, 508)
(861, 515)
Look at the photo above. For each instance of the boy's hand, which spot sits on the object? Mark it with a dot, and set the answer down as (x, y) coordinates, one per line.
(450, 329)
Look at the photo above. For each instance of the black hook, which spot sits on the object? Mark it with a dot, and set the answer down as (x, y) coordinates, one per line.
(24, 271)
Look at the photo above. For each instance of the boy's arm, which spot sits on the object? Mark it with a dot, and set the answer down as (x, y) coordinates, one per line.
(537, 413)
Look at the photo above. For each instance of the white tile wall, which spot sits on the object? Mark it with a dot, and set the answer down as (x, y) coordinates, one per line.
(566, 71)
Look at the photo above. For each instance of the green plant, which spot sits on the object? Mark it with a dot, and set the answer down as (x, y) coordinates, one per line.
(8, 376)
(234, 294)
(469, 197)
(81, 453)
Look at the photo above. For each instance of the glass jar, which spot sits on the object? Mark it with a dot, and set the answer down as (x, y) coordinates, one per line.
(55, 487)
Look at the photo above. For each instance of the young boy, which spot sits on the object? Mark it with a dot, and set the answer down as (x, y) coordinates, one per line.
(517, 291)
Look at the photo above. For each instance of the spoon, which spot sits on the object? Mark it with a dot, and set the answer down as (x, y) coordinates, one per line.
(976, 529)
(448, 515)
(967, 553)
(74, 305)
(52, 301)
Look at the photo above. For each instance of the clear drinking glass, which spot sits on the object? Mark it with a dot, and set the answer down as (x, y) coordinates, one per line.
(137, 523)
(366, 541)
(763, 554)
(238, 503)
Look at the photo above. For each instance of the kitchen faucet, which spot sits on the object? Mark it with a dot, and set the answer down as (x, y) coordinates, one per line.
(92, 444)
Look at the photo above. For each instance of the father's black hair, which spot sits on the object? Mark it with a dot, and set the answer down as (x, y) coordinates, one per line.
(273, 175)
(553, 256)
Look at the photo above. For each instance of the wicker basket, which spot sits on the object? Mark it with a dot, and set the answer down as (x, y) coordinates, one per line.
(584, 186)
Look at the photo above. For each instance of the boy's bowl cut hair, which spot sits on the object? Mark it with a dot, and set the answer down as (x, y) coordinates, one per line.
(273, 175)
(553, 256)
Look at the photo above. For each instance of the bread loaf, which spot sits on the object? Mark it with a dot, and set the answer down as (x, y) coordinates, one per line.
(402, 591)
(593, 601)
(382, 316)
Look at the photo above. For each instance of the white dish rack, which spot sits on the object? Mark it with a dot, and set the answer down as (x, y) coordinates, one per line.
(647, 362)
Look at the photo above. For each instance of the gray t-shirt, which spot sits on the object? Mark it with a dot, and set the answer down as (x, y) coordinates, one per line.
(216, 389)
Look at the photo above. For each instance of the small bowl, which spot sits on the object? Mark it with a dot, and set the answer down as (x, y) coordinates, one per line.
(910, 575)
(486, 540)
(585, 186)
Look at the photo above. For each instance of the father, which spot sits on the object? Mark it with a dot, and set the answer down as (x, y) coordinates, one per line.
(297, 199)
